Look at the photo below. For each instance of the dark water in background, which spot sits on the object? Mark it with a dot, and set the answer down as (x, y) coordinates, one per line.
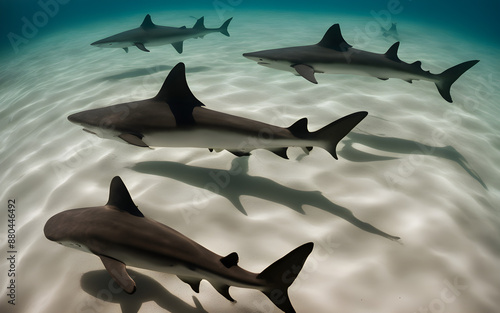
(22, 21)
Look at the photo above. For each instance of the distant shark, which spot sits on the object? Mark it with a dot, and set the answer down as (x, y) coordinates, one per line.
(333, 55)
(149, 34)
(120, 235)
(175, 118)
(391, 32)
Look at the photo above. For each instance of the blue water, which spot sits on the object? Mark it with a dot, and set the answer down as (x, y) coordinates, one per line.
(24, 21)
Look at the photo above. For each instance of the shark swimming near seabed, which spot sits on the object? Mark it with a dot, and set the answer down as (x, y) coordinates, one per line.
(176, 118)
(150, 34)
(120, 235)
(391, 32)
(333, 55)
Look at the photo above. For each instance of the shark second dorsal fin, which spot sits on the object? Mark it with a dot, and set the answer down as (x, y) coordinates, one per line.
(392, 53)
(120, 197)
(176, 93)
(333, 39)
(200, 23)
(147, 23)
(230, 260)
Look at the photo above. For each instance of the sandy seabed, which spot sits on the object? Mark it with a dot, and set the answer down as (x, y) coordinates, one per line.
(417, 167)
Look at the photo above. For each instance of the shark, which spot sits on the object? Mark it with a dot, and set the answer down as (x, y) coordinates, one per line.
(333, 55)
(120, 235)
(176, 118)
(150, 34)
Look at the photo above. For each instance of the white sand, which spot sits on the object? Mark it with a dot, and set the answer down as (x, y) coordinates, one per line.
(431, 196)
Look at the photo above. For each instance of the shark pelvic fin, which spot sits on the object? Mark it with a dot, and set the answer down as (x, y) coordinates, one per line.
(306, 71)
(133, 140)
(230, 260)
(118, 272)
(176, 93)
(140, 46)
(119, 197)
(178, 46)
(333, 39)
(147, 23)
(224, 290)
(126, 49)
(392, 53)
(200, 23)
(193, 282)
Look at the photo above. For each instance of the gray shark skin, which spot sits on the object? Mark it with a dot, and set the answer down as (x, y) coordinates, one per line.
(120, 235)
(333, 55)
(175, 118)
(150, 34)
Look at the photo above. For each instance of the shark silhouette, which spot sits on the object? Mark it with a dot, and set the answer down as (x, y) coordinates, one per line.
(151, 34)
(120, 235)
(333, 55)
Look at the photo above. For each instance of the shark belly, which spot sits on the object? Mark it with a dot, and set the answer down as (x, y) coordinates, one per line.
(215, 138)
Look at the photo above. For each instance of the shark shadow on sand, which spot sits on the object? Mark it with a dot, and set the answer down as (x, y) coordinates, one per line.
(236, 182)
(401, 146)
(101, 286)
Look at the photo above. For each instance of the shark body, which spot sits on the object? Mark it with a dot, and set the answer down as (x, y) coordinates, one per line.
(120, 235)
(175, 118)
(150, 34)
(333, 55)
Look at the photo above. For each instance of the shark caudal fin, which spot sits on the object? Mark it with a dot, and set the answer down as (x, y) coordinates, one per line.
(282, 273)
(223, 28)
(448, 77)
(330, 135)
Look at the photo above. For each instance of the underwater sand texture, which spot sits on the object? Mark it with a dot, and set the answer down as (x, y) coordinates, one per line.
(417, 167)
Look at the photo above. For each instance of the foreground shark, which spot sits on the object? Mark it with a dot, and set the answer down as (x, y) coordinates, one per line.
(175, 118)
(154, 35)
(333, 55)
(120, 235)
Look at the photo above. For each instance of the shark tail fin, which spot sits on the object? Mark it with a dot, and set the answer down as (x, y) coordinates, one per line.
(448, 77)
(223, 28)
(331, 134)
(282, 273)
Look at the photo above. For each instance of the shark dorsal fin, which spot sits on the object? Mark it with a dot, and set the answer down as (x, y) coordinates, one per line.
(176, 93)
(299, 128)
(333, 39)
(200, 23)
(392, 52)
(147, 23)
(230, 260)
(120, 198)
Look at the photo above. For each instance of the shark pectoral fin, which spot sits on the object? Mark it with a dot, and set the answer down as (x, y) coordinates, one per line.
(140, 46)
(306, 71)
(382, 78)
(178, 46)
(239, 153)
(118, 272)
(133, 140)
(126, 49)
(193, 282)
(230, 260)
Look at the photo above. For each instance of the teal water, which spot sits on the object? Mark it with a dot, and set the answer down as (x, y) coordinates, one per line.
(417, 167)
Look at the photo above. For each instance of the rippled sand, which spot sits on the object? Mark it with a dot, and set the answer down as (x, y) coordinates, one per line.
(417, 167)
